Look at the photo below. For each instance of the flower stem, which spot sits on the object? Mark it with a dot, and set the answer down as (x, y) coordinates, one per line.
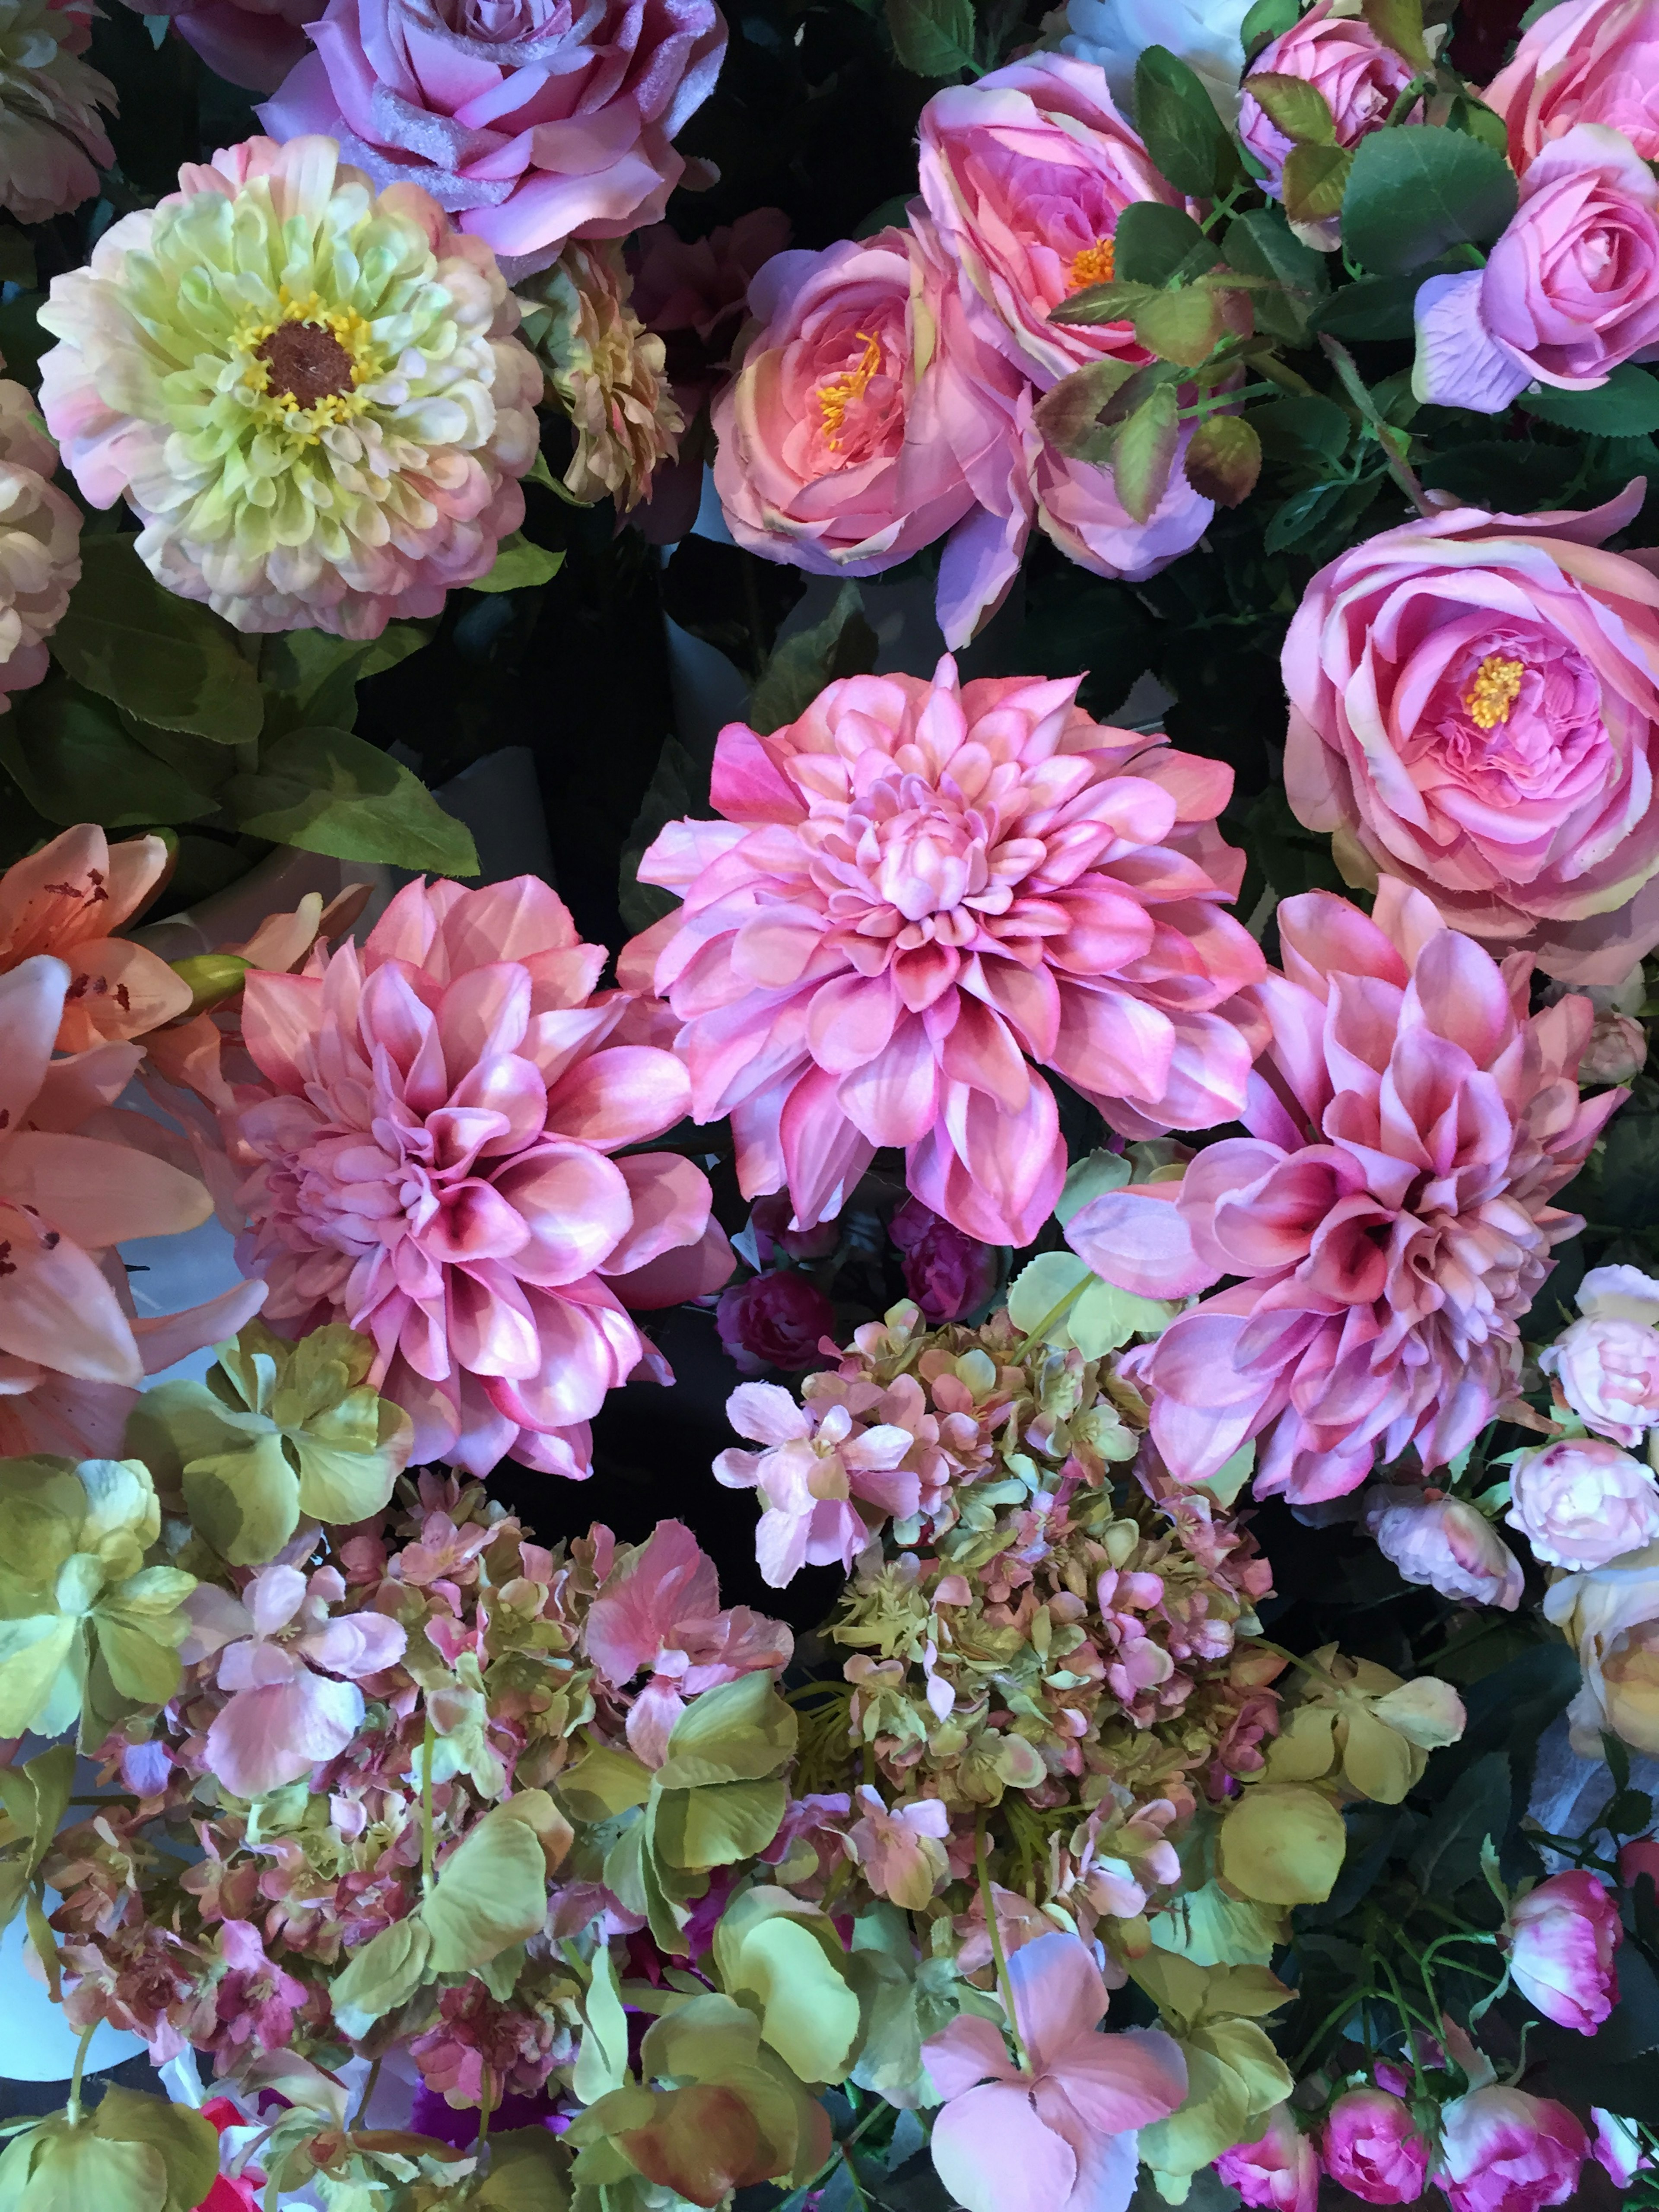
(1386, 436)
(428, 1744)
(87, 2034)
(1004, 1987)
(1056, 1312)
(367, 2097)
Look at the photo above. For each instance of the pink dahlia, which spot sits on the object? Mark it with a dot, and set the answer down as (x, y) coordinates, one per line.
(428, 1160)
(917, 891)
(1388, 1214)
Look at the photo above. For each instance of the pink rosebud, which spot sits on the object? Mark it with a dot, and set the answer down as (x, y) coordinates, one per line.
(1583, 1502)
(774, 1320)
(1373, 2148)
(1560, 1939)
(1279, 2169)
(947, 1274)
(1342, 57)
(1569, 291)
(1608, 1362)
(1617, 2147)
(1589, 61)
(1638, 1857)
(1446, 1544)
(1503, 2151)
(1618, 1049)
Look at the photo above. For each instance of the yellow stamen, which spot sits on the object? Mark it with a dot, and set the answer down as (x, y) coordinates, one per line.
(836, 397)
(1496, 688)
(1095, 264)
(279, 410)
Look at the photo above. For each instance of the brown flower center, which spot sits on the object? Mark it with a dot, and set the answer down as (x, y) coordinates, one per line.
(306, 362)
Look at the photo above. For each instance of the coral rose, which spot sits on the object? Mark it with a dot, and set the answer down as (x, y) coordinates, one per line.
(1026, 173)
(1343, 59)
(328, 432)
(1389, 1214)
(1445, 1544)
(428, 1159)
(868, 418)
(528, 124)
(1583, 1503)
(1560, 1939)
(1569, 291)
(920, 889)
(1473, 700)
(1608, 1361)
(1503, 2151)
(1374, 2148)
(1587, 61)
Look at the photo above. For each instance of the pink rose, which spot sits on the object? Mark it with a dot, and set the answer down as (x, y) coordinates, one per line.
(947, 1274)
(1569, 291)
(1608, 1361)
(1618, 2148)
(768, 1229)
(1445, 1544)
(1374, 2149)
(1281, 2169)
(1503, 2151)
(1343, 58)
(529, 123)
(1078, 507)
(1618, 1049)
(1026, 173)
(1560, 1939)
(867, 419)
(1590, 61)
(1472, 700)
(251, 43)
(774, 1320)
(1583, 1503)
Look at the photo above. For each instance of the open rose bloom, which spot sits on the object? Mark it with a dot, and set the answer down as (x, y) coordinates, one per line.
(1587, 61)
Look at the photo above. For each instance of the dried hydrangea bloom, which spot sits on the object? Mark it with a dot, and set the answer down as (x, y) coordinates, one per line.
(53, 142)
(607, 371)
(310, 394)
(40, 540)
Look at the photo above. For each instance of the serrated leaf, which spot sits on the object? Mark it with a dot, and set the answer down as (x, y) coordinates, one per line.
(1475, 1806)
(169, 661)
(932, 38)
(1315, 181)
(1627, 405)
(1114, 302)
(1145, 452)
(1398, 25)
(1153, 241)
(1180, 327)
(1068, 415)
(1298, 108)
(1223, 459)
(329, 792)
(798, 667)
(1261, 242)
(1414, 192)
(1178, 123)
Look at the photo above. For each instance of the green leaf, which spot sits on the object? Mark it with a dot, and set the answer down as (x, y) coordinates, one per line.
(1223, 459)
(932, 38)
(1630, 1168)
(1299, 109)
(1102, 303)
(1180, 327)
(328, 792)
(51, 1777)
(1266, 21)
(186, 2144)
(1069, 414)
(1180, 127)
(1315, 180)
(381, 1976)
(519, 564)
(604, 1781)
(798, 667)
(1305, 428)
(310, 680)
(245, 1502)
(1398, 25)
(1375, 307)
(73, 763)
(1475, 1806)
(491, 1891)
(1300, 514)
(602, 2062)
(1414, 192)
(721, 1824)
(167, 660)
(1626, 406)
(1467, 114)
(1153, 241)
(809, 2014)
(1144, 453)
(527, 2171)
(736, 1732)
(1616, 1752)
(79, 2170)
(1261, 243)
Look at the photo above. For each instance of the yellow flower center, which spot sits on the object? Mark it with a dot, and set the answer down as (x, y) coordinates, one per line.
(1496, 688)
(306, 365)
(1095, 264)
(837, 394)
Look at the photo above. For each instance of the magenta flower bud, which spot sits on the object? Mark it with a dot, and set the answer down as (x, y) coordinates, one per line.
(774, 1320)
(1373, 2148)
(1503, 2151)
(947, 1274)
(1280, 2170)
(1560, 1938)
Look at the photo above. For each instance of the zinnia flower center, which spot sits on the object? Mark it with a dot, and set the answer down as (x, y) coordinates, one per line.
(1496, 688)
(1095, 264)
(837, 393)
(306, 362)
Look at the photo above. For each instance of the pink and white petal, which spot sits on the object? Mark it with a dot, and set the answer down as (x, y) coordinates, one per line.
(588, 1346)
(1122, 2081)
(1140, 1241)
(620, 1096)
(56, 1307)
(576, 1204)
(282, 1016)
(163, 1339)
(510, 920)
(31, 1008)
(1108, 2166)
(1059, 1994)
(970, 2050)
(265, 1738)
(100, 1194)
(894, 1100)
(825, 1153)
(994, 2155)
(1459, 362)
(274, 1597)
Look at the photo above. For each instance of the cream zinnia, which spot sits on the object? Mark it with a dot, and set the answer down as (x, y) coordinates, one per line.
(309, 393)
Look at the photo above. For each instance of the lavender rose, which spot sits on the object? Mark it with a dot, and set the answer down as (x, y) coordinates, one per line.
(1608, 1361)
(1444, 1544)
(1583, 1503)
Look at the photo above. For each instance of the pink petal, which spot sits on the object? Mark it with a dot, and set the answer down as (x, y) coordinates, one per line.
(163, 1339)
(1139, 1240)
(970, 2050)
(670, 1202)
(31, 1008)
(893, 1100)
(825, 1151)
(264, 1739)
(993, 2154)
(281, 1017)
(767, 1413)
(576, 1204)
(851, 1020)
(100, 1194)
(620, 1096)
(1117, 2082)
(688, 1271)
(510, 920)
(56, 1308)
(1058, 1994)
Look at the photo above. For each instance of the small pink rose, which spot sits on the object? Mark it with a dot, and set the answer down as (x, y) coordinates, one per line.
(1343, 58)
(1618, 1050)
(1503, 2151)
(1583, 1502)
(1560, 1939)
(1446, 1544)
(1608, 1361)
(1280, 2169)
(775, 1321)
(1374, 2148)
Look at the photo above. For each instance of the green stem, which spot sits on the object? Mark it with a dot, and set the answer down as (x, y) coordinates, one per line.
(1443, 1942)
(486, 2104)
(428, 1744)
(1407, 100)
(1386, 436)
(1339, 2012)
(1057, 1312)
(988, 1898)
(1217, 400)
(1409, 2019)
(367, 2097)
(87, 2034)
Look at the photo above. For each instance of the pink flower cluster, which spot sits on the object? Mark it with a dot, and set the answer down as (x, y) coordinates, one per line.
(917, 892)
(1356, 75)
(886, 399)
(429, 1158)
(1388, 1216)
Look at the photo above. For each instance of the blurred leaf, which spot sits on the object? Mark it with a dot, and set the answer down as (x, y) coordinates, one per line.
(186, 2144)
(1265, 21)
(1315, 180)
(1292, 859)
(1414, 192)
(1223, 459)
(1505, 474)
(732, 599)
(1630, 1165)
(519, 564)
(1473, 116)
(1305, 427)
(1076, 620)
(1399, 24)
(1145, 452)
(165, 659)
(22, 339)
(16, 257)
(1261, 243)
(328, 792)
(1303, 512)
(73, 763)
(310, 680)
(1298, 108)
(1626, 406)
(1180, 327)
(932, 38)
(1476, 1806)
(1153, 241)
(1375, 307)
(1178, 123)
(842, 644)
